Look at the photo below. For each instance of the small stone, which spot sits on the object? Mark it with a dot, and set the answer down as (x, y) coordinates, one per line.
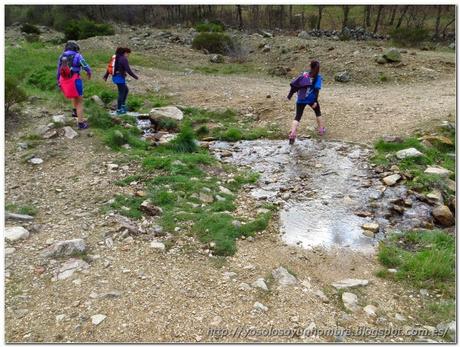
(244, 287)
(343, 76)
(260, 307)
(225, 190)
(16, 233)
(320, 294)
(283, 277)
(98, 319)
(229, 274)
(370, 310)
(440, 171)
(217, 59)
(435, 196)
(60, 118)
(216, 321)
(374, 227)
(9, 250)
(260, 283)
(36, 161)
(112, 166)
(206, 198)
(368, 233)
(423, 292)
(65, 248)
(408, 153)
(443, 215)
(400, 317)
(157, 245)
(392, 179)
(68, 268)
(150, 209)
(60, 318)
(392, 270)
(350, 301)
(350, 283)
(70, 133)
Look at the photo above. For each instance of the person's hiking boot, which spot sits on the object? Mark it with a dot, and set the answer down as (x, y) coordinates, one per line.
(321, 131)
(292, 136)
(83, 125)
(124, 109)
(121, 112)
(74, 112)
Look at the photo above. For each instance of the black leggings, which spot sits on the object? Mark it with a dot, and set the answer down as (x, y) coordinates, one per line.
(122, 94)
(301, 107)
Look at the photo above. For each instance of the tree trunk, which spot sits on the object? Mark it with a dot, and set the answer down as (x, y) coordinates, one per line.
(405, 8)
(240, 17)
(367, 22)
(438, 22)
(393, 15)
(281, 16)
(290, 16)
(379, 13)
(444, 32)
(346, 10)
(320, 15)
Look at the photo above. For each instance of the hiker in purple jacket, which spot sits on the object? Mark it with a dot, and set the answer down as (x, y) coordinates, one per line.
(69, 66)
(121, 69)
(307, 86)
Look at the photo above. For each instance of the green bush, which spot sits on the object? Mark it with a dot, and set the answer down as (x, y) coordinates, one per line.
(107, 96)
(209, 27)
(82, 29)
(30, 29)
(185, 140)
(409, 36)
(134, 103)
(13, 93)
(43, 78)
(167, 124)
(214, 42)
(232, 134)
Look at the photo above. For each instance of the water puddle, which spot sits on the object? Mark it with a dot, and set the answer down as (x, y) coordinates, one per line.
(321, 187)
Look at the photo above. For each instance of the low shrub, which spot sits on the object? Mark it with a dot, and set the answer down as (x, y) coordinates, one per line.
(209, 27)
(214, 42)
(409, 36)
(82, 29)
(13, 93)
(30, 29)
(185, 140)
(43, 78)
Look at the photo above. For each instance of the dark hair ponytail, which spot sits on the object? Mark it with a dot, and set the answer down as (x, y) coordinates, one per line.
(314, 68)
(122, 50)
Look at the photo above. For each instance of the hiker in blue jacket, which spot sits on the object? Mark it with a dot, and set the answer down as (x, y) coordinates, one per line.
(307, 86)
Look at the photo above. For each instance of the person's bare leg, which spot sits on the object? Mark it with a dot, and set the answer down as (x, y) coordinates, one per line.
(320, 122)
(294, 126)
(78, 103)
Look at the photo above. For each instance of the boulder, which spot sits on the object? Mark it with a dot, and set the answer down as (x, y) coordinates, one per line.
(260, 283)
(350, 301)
(440, 171)
(343, 76)
(392, 55)
(303, 35)
(443, 215)
(158, 245)
(217, 59)
(16, 233)
(408, 153)
(392, 179)
(167, 112)
(350, 283)
(283, 277)
(70, 133)
(69, 267)
(65, 248)
(374, 227)
(380, 59)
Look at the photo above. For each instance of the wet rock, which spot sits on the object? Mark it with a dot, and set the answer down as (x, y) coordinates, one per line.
(260, 283)
(158, 246)
(374, 227)
(392, 55)
(350, 283)
(217, 59)
(36, 161)
(408, 153)
(350, 301)
(150, 209)
(98, 319)
(96, 99)
(70, 133)
(20, 217)
(171, 112)
(343, 76)
(440, 171)
(16, 233)
(443, 215)
(68, 268)
(260, 307)
(370, 310)
(65, 248)
(392, 179)
(283, 277)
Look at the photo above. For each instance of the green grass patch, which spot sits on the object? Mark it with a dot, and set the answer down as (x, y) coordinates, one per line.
(21, 209)
(426, 259)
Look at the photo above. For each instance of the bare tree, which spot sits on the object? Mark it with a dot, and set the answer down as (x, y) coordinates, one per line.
(444, 32)
(438, 22)
(320, 15)
(379, 13)
(290, 16)
(393, 15)
(240, 17)
(346, 11)
(367, 16)
(403, 13)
